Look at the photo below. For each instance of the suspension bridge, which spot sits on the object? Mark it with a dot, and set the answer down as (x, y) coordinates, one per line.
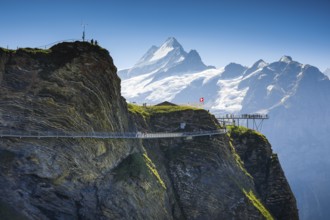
(108, 135)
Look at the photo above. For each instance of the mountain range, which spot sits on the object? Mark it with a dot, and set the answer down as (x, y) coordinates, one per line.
(294, 95)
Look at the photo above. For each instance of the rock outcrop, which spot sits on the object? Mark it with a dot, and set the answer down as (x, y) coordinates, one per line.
(73, 87)
(270, 182)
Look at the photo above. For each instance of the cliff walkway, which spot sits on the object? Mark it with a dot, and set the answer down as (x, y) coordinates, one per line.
(108, 135)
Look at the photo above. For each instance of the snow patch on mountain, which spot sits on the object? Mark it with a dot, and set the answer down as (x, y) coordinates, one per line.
(180, 59)
(161, 52)
(327, 72)
(270, 88)
(230, 97)
(143, 89)
(134, 87)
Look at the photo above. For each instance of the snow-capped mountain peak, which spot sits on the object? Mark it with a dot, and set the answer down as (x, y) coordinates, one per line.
(233, 70)
(256, 66)
(286, 59)
(259, 64)
(171, 42)
(194, 56)
(169, 58)
(169, 45)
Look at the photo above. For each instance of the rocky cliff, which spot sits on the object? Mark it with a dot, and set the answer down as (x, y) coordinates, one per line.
(73, 87)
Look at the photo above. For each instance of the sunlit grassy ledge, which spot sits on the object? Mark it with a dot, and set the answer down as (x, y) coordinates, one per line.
(149, 110)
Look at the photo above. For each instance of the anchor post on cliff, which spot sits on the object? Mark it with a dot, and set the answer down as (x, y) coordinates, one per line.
(83, 35)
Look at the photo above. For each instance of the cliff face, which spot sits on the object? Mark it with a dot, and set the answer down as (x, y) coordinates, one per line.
(270, 182)
(220, 177)
(74, 87)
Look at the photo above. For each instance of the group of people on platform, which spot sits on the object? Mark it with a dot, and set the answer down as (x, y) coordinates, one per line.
(247, 116)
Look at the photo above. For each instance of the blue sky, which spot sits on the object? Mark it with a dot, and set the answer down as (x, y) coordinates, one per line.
(222, 31)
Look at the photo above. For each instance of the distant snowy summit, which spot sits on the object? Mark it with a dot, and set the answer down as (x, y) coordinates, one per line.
(169, 58)
(168, 73)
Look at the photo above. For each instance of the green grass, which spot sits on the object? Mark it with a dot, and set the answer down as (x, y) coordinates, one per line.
(138, 165)
(169, 109)
(27, 50)
(133, 166)
(137, 110)
(147, 111)
(5, 50)
(153, 170)
(35, 50)
(240, 130)
(256, 203)
(238, 160)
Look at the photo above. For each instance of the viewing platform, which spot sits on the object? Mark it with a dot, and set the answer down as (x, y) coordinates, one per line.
(253, 121)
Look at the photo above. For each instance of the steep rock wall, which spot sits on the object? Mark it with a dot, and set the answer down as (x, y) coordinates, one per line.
(270, 181)
(208, 178)
(73, 87)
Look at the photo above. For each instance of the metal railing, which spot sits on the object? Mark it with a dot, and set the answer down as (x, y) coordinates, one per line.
(243, 116)
(107, 135)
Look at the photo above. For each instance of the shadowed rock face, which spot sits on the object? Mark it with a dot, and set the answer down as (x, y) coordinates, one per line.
(208, 182)
(74, 87)
(268, 176)
(71, 87)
